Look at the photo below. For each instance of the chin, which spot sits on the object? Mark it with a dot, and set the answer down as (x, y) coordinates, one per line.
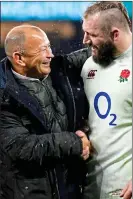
(47, 71)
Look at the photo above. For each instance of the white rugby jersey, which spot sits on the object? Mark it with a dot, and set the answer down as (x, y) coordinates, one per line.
(109, 93)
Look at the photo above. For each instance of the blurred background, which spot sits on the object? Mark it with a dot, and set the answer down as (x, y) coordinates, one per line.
(62, 21)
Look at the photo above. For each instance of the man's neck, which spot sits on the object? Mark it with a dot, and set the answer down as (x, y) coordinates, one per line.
(19, 76)
(124, 43)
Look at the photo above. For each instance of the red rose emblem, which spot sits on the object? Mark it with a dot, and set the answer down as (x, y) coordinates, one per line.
(125, 73)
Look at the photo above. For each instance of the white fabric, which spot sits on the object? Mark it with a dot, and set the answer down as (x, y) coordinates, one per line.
(111, 139)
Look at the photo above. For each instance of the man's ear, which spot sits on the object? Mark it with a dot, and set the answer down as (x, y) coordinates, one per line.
(115, 34)
(18, 59)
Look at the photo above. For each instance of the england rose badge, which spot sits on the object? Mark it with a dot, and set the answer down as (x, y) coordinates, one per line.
(124, 75)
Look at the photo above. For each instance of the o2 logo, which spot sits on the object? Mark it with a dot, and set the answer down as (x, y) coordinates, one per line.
(112, 115)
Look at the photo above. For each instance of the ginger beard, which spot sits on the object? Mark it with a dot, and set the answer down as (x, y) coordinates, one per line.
(104, 53)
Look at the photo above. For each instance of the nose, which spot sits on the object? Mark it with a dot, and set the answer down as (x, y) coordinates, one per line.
(86, 39)
(49, 53)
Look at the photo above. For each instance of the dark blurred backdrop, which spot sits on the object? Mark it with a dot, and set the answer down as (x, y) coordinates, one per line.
(62, 21)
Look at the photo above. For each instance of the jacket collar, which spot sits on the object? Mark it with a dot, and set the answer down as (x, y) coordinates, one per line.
(2, 74)
(21, 94)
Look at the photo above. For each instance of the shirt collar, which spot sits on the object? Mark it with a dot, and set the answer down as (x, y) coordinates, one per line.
(19, 76)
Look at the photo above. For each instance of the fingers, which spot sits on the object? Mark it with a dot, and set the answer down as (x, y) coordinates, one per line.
(85, 143)
(85, 157)
(86, 153)
(127, 191)
(127, 195)
(123, 191)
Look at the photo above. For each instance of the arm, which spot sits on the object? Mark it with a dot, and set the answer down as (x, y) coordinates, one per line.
(78, 58)
(19, 143)
(74, 60)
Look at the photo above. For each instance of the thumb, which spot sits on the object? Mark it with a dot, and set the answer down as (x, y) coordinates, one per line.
(80, 133)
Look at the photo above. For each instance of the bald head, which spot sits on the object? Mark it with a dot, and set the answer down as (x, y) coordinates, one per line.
(17, 39)
(28, 49)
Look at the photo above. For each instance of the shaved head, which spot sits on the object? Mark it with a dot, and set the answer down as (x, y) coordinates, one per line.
(17, 39)
(106, 27)
(110, 14)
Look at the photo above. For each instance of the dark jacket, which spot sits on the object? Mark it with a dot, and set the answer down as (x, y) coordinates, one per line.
(35, 163)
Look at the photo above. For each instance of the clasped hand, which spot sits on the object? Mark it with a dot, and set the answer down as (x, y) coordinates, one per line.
(85, 143)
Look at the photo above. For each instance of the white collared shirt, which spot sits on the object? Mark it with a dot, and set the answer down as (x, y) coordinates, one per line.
(19, 76)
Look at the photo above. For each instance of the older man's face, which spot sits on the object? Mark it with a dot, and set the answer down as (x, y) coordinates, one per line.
(38, 55)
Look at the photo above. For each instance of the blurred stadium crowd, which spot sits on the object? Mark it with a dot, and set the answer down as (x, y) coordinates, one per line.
(62, 21)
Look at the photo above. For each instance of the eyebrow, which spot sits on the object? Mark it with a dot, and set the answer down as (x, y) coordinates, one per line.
(46, 45)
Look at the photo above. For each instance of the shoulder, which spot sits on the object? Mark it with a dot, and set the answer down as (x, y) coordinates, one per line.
(88, 61)
(2, 74)
(74, 58)
(87, 65)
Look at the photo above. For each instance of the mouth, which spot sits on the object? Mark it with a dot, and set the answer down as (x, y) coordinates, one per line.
(94, 49)
(46, 63)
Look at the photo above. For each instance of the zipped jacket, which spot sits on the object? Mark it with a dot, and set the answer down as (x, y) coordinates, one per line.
(35, 163)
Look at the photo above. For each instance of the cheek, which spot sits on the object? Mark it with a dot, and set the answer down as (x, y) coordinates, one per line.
(98, 42)
(36, 61)
(95, 41)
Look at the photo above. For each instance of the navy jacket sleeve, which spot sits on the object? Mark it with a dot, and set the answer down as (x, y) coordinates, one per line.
(21, 144)
(74, 60)
(78, 58)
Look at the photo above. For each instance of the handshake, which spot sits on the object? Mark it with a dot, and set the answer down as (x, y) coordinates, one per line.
(86, 144)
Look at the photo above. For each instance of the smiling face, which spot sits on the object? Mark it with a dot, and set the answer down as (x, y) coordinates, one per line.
(101, 44)
(38, 55)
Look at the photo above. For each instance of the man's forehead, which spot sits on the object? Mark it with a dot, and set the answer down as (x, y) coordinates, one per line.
(36, 42)
(37, 38)
(36, 34)
(91, 22)
(44, 44)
